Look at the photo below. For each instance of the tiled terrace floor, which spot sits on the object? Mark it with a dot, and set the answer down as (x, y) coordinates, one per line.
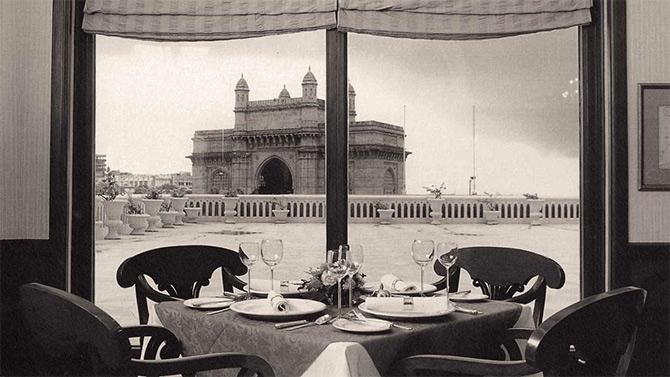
(386, 250)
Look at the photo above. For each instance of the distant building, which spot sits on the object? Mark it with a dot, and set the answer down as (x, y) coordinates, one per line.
(100, 166)
(277, 147)
(129, 181)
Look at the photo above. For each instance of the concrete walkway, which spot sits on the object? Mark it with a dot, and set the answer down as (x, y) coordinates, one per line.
(387, 250)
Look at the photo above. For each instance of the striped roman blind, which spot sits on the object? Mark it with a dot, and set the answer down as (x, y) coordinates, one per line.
(202, 20)
(460, 19)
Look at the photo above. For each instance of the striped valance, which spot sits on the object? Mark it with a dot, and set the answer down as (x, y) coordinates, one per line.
(460, 19)
(201, 20)
(197, 20)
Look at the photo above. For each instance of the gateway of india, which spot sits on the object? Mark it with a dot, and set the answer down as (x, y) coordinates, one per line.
(277, 147)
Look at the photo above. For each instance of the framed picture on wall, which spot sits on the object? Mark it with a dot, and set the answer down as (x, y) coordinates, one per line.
(654, 137)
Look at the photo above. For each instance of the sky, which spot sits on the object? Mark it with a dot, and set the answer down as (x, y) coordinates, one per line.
(151, 97)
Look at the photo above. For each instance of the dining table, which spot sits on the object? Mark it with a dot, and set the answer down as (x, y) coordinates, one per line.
(323, 350)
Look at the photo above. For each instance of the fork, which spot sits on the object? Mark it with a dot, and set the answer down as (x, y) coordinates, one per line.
(362, 317)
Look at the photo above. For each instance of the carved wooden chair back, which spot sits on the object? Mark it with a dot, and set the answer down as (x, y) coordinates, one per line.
(179, 271)
(594, 337)
(501, 272)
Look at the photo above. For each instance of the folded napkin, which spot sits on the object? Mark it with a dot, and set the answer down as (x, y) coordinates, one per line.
(392, 282)
(398, 304)
(277, 301)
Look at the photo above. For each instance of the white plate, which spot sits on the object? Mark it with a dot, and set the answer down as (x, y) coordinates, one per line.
(406, 314)
(468, 297)
(260, 287)
(261, 309)
(208, 303)
(367, 326)
(427, 288)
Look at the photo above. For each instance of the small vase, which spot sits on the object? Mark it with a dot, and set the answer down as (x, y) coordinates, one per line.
(192, 214)
(113, 210)
(138, 222)
(168, 218)
(178, 205)
(385, 216)
(151, 207)
(280, 215)
(436, 210)
(229, 209)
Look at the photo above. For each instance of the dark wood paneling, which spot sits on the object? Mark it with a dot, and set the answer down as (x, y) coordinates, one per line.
(337, 133)
(83, 156)
(642, 265)
(42, 261)
(592, 145)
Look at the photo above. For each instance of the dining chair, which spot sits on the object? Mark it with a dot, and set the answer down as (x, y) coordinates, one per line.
(179, 272)
(593, 337)
(70, 336)
(501, 272)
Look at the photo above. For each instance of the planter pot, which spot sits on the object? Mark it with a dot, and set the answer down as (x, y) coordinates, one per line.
(151, 207)
(229, 205)
(138, 223)
(168, 218)
(385, 216)
(178, 205)
(436, 210)
(280, 215)
(192, 214)
(491, 217)
(113, 210)
(536, 211)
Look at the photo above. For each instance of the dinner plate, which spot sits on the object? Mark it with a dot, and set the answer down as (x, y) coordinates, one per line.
(261, 287)
(405, 314)
(369, 325)
(427, 288)
(468, 297)
(261, 309)
(208, 303)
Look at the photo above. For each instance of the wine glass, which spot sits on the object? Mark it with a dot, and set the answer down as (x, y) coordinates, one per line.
(272, 252)
(355, 262)
(248, 252)
(337, 265)
(447, 254)
(423, 252)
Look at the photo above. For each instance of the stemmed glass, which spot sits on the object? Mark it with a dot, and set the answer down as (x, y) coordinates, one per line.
(337, 265)
(248, 252)
(423, 252)
(355, 262)
(447, 255)
(272, 252)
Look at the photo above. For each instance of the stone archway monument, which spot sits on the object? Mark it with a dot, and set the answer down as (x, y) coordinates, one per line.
(274, 177)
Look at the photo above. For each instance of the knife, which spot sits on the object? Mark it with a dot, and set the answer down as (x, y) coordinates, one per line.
(284, 325)
(467, 311)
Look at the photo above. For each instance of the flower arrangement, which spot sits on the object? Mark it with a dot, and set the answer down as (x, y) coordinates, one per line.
(437, 192)
(322, 285)
(233, 193)
(108, 188)
(166, 206)
(380, 205)
(152, 194)
(134, 207)
(488, 202)
(278, 203)
(531, 196)
(178, 193)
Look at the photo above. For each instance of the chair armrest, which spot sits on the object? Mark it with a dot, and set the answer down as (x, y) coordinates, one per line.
(530, 295)
(192, 364)
(456, 365)
(158, 335)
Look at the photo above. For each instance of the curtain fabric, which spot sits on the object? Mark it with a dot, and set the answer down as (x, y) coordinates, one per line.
(460, 19)
(202, 20)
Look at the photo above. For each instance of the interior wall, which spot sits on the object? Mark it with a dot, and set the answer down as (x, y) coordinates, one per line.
(648, 58)
(25, 89)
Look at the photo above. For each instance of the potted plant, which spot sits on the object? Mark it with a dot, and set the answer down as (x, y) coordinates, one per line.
(167, 214)
(385, 212)
(491, 212)
(137, 219)
(230, 200)
(108, 189)
(536, 204)
(178, 203)
(152, 203)
(436, 202)
(279, 211)
(192, 214)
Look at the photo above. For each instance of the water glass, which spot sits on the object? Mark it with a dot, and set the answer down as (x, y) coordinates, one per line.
(272, 252)
(355, 262)
(337, 266)
(423, 252)
(447, 255)
(249, 252)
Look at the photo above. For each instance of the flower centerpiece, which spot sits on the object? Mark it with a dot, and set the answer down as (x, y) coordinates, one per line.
(436, 202)
(321, 285)
(108, 189)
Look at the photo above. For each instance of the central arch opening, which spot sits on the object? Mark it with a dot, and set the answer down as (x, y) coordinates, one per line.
(275, 178)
